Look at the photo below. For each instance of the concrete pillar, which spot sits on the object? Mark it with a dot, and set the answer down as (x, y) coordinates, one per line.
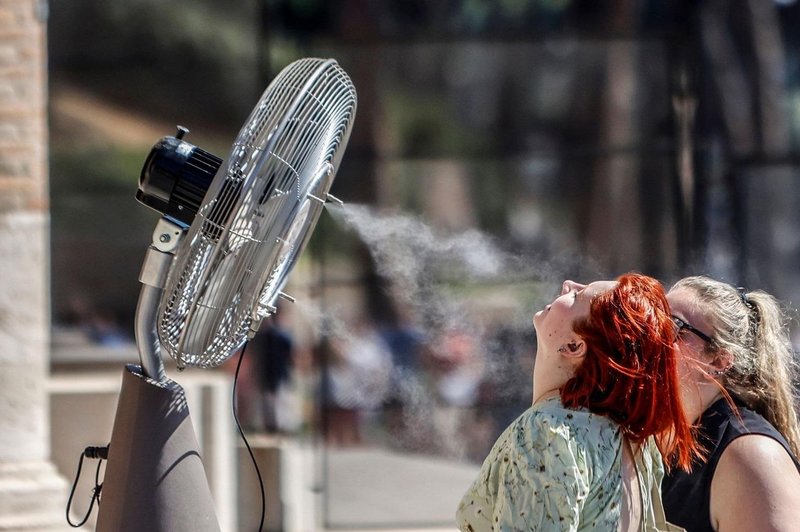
(32, 495)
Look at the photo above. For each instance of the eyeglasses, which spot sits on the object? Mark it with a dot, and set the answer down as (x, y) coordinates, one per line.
(681, 325)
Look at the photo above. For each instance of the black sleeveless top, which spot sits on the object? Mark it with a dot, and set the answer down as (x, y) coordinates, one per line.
(687, 497)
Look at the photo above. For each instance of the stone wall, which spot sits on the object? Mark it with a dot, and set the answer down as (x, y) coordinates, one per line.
(32, 495)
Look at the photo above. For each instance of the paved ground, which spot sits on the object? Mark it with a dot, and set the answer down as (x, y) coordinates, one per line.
(379, 489)
(347, 490)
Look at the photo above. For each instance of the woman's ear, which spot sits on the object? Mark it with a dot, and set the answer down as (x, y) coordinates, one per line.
(722, 362)
(573, 349)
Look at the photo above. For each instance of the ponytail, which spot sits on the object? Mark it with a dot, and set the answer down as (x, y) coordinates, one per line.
(769, 387)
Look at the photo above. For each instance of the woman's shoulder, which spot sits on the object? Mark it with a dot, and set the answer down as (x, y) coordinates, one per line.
(551, 423)
(755, 477)
(756, 454)
(552, 412)
(722, 425)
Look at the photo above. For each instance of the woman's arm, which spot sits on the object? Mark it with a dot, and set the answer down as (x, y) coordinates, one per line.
(756, 486)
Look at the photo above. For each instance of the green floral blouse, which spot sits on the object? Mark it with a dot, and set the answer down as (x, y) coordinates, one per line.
(556, 468)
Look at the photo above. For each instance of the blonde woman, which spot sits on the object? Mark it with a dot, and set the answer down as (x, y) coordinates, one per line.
(739, 370)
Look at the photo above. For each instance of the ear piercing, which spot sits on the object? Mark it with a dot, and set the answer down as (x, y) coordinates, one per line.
(572, 346)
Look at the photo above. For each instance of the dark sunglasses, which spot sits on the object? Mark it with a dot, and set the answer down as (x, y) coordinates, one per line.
(681, 325)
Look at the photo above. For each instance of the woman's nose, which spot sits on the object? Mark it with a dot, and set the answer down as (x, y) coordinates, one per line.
(569, 286)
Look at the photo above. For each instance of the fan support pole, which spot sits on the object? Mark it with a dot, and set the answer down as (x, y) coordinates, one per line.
(157, 261)
(155, 479)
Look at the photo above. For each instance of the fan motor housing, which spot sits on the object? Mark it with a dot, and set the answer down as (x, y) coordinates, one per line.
(176, 176)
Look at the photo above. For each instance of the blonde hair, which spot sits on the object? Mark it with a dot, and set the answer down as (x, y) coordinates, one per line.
(753, 328)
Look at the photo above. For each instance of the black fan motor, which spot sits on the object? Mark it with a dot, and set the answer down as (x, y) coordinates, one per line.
(176, 176)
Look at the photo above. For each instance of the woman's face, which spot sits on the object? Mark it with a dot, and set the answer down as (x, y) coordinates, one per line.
(554, 324)
(694, 364)
(682, 305)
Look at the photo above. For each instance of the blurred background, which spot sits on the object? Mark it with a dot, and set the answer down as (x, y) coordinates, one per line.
(499, 148)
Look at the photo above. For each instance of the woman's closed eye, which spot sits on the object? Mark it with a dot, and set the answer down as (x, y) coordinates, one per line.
(571, 293)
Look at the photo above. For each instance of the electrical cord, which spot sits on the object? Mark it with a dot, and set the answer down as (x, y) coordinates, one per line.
(244, 439)
(100, 453)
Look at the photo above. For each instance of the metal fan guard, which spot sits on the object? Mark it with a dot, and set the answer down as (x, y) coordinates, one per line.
(258, 215)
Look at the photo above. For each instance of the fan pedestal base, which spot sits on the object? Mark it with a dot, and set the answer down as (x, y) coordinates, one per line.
(154, 478)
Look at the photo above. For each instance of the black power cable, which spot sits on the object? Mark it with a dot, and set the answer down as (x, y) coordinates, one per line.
(244, 439)
(99, 453)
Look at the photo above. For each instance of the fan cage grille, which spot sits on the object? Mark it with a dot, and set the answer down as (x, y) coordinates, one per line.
(257, 217)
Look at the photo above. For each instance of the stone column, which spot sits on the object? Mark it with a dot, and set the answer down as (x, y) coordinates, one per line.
(32, 495)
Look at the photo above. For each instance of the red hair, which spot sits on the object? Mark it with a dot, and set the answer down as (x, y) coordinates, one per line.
(629, 373)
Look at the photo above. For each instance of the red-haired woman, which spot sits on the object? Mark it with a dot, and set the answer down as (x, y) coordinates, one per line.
(606, 400)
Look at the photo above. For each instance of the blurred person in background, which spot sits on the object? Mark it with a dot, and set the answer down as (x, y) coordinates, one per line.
(273, 348)
(505, 386)
(406, 400)
(265, 372)
(456, 368)
(356, 382)
(606, 400)
(98, 324)
(738, 380)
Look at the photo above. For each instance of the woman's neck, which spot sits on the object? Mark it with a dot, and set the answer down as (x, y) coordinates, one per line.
(706, 398)
(551, 372)
(543, 396)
